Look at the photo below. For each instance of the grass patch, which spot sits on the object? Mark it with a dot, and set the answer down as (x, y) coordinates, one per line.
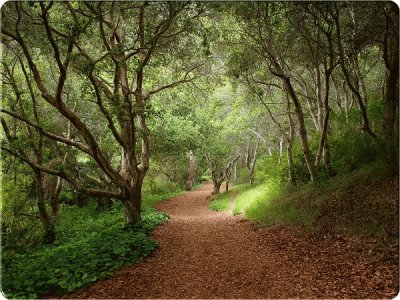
(91, 244)
(356, 202)
(248, 197)
(151, 199)
(221, 203)
(272, 205)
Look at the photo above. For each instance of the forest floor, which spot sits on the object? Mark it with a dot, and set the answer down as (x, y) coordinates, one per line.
(207, 254)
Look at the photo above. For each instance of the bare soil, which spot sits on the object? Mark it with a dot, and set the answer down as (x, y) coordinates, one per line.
(206, 254)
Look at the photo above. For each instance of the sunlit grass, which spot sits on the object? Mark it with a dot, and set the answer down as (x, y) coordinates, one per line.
(275, 207)
(252, 195)
(222, 202)
(271, 203)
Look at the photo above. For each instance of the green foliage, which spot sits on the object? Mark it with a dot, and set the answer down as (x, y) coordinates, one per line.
(91, 245)
(248, 197)
(19, 223)
(222, 202)
(66, 197)
(151, 199)
(206, 177)
(272, 203)
(351, 150)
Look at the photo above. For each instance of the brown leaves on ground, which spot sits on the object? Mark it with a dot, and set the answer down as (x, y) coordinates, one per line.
(206, 254)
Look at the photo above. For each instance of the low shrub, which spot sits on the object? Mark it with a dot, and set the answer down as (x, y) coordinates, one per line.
(90, 245)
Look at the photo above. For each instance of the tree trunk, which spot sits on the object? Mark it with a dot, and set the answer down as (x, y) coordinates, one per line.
(320, 105)
(327, 160)
(302, 128)
(49, 234)
(390, 117)
(324, 132)
(217, 178)
(54, 198)
(133, 177)
(192, 171)
(137, 196)
(51, 188)
(289, 147)
(391, 58)
(250, 164)
(280, 149)
(292, 177)
(349, 79)
(216, 187)
(235, 175)
(132, 214)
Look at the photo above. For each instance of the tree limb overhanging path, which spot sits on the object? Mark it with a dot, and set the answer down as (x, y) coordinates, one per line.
(207, 254)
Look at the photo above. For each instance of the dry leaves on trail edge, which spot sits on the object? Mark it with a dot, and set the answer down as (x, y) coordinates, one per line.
(204, 254)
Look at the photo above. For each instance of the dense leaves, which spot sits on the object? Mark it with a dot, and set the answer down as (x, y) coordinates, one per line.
(91, 246)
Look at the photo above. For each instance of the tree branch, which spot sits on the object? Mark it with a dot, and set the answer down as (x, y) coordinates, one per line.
(48, 134)
(76, 184)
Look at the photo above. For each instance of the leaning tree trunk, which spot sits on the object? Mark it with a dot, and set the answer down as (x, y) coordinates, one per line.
(302, 128)
(289, 147)
(349, 79)
(192, 171)
(218, 178)
(323, 142)
(288, 88)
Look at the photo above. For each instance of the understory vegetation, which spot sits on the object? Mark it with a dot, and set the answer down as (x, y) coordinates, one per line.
(223, 201)
(92, 244)
(362, 201)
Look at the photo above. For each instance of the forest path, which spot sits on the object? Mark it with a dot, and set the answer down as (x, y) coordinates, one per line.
(206, 254)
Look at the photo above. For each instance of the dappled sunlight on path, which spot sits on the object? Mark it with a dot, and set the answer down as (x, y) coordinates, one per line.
(207, 254)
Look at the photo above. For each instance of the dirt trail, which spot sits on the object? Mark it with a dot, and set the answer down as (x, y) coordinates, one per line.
(206, 254)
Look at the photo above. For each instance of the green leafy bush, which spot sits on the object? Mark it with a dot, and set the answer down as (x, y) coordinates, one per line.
(91, 245)
(66, 197)
(353, 150)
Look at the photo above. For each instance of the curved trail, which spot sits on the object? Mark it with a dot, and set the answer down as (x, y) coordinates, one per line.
(206, 254)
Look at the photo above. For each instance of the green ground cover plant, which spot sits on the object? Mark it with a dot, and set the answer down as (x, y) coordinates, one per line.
(91, 244)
